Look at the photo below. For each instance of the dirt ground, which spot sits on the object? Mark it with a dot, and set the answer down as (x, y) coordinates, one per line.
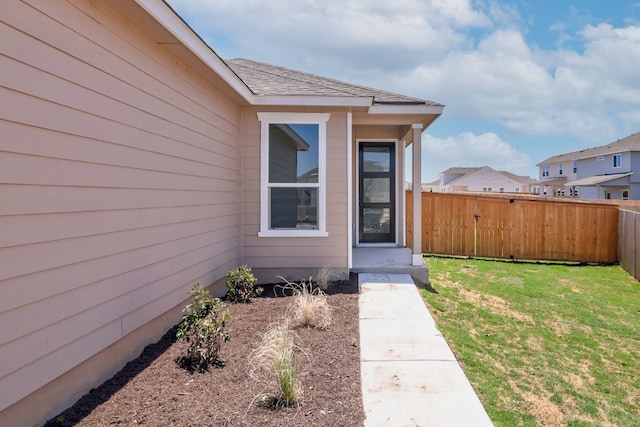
(154, 390)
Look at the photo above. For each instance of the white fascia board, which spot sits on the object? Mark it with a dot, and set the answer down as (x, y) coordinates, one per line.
(406, 109)
(314, 101)
(172, 22)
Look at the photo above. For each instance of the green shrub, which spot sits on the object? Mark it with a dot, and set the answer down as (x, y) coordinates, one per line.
(241, 285)
(276, 362)
(202, 326)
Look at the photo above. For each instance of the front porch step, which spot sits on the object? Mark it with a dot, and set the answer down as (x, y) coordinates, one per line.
(390, 260)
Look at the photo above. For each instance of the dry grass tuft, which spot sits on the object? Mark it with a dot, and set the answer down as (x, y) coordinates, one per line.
(323, 277)
(309, 307)
(276, 363)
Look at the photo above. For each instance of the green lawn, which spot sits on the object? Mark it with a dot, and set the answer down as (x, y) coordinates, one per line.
(543, 345)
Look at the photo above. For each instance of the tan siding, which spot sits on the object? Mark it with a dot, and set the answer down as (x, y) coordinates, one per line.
(119, 186)
(286, 254)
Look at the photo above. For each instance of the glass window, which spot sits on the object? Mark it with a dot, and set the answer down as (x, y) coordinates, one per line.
(560, 168)
(617, 160)
(575, 166)
(625, 194)
(292, 187)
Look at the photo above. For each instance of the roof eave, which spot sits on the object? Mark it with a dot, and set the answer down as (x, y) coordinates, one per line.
(406, 109)
(313, 101)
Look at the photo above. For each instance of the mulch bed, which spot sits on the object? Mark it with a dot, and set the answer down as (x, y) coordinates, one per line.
(155, 390)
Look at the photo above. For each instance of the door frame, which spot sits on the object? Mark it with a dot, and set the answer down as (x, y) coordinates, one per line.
(398, 201)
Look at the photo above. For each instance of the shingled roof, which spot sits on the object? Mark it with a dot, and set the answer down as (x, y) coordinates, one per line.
(271, 80)
(630, 143)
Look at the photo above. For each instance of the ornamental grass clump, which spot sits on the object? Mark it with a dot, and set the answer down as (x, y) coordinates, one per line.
(276, 363)
(203, 327)
(309, 307)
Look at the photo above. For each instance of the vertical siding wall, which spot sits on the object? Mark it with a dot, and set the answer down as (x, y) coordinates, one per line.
(118, 186)
(295, 257)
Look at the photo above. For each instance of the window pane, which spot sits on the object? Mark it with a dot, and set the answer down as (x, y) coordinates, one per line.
(293, 208)
(376, 220)
(376, 159)
(376, 190)
(293, 153)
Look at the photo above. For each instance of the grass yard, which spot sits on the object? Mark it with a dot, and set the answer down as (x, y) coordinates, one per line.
(543, 345)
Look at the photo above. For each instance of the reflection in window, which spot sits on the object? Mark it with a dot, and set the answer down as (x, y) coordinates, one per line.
(293, 153)
(292, 184)
(376, 220)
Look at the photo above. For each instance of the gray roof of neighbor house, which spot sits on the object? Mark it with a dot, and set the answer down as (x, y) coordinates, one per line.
(630, 143)
(270, 80)
(464, 171)
(460, 170)
(522, 179)
(596, 179)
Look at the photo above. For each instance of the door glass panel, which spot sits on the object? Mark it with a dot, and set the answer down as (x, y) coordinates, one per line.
(376, 159)
(376, 190)
(376, 220)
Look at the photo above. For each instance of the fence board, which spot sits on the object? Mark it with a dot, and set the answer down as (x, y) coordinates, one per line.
(628, 231)
(503, 227)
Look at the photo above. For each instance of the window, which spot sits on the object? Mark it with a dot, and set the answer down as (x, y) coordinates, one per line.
(502, 189)
(560, 167)
(292, 174)
(517, 189)
(625, 194)
(617, 160)
(575, 166)
(545, 170)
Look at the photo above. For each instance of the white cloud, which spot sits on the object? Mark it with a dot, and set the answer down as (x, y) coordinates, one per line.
(471, 150)
(471, 56)
(333, 35)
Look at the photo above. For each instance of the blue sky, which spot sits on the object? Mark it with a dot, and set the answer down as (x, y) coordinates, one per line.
(521, 80)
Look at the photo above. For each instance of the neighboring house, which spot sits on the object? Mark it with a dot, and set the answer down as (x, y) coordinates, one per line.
(485, 178)
(610, 171)
(135, 163)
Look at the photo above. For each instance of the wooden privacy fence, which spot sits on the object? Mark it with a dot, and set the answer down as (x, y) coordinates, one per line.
(628, 234)
(516, 227)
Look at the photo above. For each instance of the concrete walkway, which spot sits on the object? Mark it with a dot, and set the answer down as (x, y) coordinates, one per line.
(410, 377)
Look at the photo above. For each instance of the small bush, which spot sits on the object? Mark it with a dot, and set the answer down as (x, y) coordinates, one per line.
(241, 285)
(309, 306)
(202, 326)
(276, 362)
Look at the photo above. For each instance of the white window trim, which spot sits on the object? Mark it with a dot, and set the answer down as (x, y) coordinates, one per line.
(321, 120)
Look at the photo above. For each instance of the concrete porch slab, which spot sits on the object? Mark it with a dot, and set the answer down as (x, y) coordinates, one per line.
(388, 260)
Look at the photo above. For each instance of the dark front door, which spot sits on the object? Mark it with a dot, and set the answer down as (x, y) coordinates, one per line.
(377, 192)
